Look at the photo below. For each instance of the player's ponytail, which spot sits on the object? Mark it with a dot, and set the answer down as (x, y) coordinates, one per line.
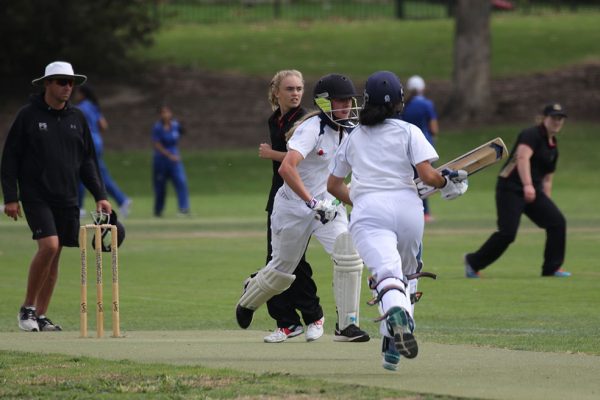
(373, 114)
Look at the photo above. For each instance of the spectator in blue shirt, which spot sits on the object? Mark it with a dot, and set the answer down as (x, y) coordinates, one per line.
(90, 106)
(420, 111)
(167, 163)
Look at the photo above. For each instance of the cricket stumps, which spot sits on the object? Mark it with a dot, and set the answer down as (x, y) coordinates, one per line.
(83, 305)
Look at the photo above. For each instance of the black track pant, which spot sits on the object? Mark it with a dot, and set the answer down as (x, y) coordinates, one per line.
(301, 296)
(543, 212)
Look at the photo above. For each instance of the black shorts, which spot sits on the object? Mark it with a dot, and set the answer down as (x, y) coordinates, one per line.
(45, 220)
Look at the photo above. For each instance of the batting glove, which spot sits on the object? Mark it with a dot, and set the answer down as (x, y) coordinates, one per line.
(325, 209)
(424, 190)
(456, 183)
(455, 176)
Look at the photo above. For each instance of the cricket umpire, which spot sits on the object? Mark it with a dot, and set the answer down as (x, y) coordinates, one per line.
(48, 150)
(524, 187)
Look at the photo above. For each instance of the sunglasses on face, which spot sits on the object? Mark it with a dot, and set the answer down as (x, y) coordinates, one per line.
(64, 82)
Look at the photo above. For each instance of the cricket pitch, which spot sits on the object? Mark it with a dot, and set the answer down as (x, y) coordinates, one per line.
(455, 370)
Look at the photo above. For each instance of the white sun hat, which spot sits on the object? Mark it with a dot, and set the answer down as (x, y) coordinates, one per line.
(59, 69)
(415, 83)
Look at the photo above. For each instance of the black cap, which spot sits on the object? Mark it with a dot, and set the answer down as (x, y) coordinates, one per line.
(554, 109)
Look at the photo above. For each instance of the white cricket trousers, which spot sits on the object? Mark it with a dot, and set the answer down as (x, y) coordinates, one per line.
(387, 231)
(292, 224)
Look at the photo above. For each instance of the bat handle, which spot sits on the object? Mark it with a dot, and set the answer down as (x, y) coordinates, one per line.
(450, 173)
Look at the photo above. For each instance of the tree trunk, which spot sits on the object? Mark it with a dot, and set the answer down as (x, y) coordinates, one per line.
(471, 91)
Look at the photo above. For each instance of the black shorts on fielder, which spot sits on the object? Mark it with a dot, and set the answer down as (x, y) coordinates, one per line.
(45, 220)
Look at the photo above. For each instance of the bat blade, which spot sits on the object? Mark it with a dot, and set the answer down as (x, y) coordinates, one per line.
(474, 160)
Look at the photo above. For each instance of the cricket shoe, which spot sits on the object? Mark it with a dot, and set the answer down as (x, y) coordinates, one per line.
(351, 333)
(281, 334)
(125, 208)
(46, 325)
(28, 320)
(469, 271)
(391, 356)
(401, 325)
(559, 273)
(315, 330)
(242, 314)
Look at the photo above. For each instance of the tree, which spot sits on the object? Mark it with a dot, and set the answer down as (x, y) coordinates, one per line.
(471, 90)
(96, 36)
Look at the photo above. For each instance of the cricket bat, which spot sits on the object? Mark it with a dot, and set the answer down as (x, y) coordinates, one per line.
(475, 160)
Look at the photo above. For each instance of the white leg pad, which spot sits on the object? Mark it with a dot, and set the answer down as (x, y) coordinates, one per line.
(267, 283)
(347, 280)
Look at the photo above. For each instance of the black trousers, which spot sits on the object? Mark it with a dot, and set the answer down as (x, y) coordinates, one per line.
(301, 296)
(510, 204)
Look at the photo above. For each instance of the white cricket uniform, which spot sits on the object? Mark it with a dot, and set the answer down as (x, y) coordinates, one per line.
(387, 217)
(292, 222)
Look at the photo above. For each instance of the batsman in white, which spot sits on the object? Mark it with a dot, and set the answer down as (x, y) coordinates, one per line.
(387, 215)
(303, 208)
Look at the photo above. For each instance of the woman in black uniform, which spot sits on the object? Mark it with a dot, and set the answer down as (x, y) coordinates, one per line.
(524, 187)
(285, 96)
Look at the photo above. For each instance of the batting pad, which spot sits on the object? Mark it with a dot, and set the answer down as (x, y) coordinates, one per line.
(347, 275)
(266, 284)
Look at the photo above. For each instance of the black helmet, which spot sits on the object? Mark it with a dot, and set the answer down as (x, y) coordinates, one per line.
(101, 219)
(383, 87)
(336, 86)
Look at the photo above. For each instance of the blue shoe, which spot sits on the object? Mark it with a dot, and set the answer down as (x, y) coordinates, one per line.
(561, 273)
(401, 325)
(469, 271)
(391, 356)
(125, 208)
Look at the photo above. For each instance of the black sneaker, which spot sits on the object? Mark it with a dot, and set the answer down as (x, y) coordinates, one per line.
(46, 325)
(351, 333)
(28, 320)
(243, 316)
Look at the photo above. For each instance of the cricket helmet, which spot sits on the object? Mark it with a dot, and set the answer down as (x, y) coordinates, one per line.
(383, 87)
(101, 219)
(339, 87)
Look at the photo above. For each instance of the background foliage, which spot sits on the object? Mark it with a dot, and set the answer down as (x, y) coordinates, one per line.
(96, 36)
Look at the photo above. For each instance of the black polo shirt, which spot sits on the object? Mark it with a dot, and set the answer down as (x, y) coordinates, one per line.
(542, 162)
(278, 127)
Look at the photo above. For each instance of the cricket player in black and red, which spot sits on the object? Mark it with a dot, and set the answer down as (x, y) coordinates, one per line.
(524, 187)
(285, 95)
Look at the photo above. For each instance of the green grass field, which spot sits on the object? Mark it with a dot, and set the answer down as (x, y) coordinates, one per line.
(509, 335)
(185, 274)
(520, 45)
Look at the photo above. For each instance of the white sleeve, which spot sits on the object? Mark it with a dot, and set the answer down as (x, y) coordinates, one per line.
(305, 138)
(339, 165)
(420, 149)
